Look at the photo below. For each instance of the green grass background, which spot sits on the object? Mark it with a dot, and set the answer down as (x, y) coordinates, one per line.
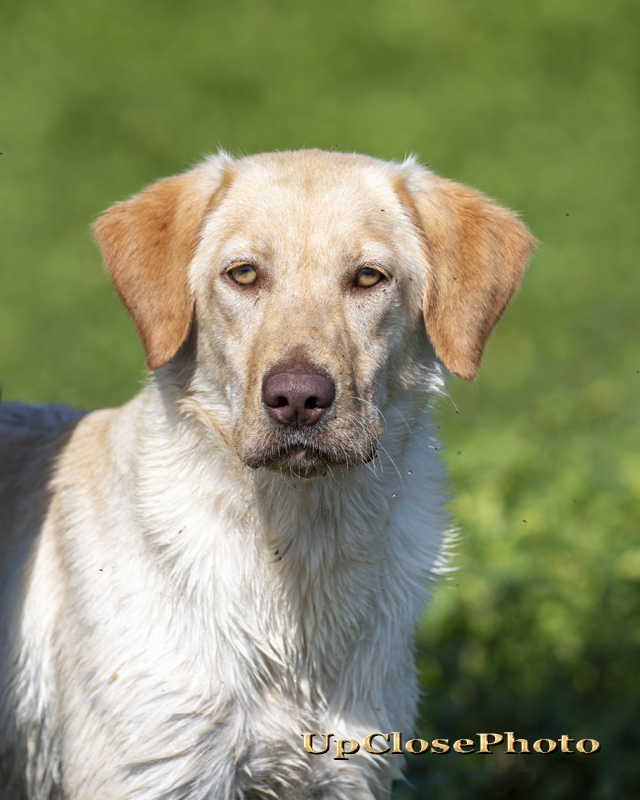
(535, 103)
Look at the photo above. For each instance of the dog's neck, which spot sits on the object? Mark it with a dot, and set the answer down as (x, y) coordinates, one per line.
(332, 555)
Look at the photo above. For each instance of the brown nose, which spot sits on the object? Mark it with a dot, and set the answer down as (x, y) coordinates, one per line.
(297, 395)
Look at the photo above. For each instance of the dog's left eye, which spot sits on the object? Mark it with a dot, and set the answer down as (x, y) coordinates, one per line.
(367, 277)
(244, 274)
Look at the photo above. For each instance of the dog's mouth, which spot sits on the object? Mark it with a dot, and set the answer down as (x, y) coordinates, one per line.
(303, 456)
(299, 454)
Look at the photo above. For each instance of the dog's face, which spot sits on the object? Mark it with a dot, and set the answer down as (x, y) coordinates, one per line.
(308, 281)
(313, 279)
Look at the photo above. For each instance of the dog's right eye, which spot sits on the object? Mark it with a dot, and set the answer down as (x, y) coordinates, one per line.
(244, 274)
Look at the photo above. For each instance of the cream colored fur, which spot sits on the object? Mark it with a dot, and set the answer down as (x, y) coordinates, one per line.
(184, 596)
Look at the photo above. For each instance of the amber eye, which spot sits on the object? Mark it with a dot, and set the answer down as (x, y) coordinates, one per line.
(244, 274)
(367, 277)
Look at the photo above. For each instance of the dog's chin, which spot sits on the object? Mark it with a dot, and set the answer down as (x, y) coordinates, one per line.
(300, 461)
(305, 461)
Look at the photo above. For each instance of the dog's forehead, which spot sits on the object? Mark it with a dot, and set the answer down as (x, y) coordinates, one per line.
(313, 173)
(312, 199)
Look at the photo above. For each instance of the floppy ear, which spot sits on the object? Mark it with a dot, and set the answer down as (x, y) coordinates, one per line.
(147, 243)
(476, 253)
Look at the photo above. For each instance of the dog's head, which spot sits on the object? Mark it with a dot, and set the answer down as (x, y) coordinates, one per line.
(314, 285)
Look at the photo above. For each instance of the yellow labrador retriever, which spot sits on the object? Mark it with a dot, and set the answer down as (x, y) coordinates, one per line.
(239, 555)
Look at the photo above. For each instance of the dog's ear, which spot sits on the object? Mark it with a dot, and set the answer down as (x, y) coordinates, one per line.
(148, 243)
(476, 253)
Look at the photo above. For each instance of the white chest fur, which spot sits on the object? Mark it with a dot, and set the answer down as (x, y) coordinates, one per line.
(229, 610)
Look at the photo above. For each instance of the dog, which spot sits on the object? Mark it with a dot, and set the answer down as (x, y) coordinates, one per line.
(238, 556)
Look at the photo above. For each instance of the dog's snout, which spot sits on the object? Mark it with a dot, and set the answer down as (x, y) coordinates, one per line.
(297, 396)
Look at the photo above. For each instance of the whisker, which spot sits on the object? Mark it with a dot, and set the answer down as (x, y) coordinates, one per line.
(386, 452)
(402, 418)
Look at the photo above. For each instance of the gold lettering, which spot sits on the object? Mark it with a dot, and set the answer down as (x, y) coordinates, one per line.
(308, 743)
(564, 744)
(440, 746)
(537, 746)
(424, 746)
(595, 746)
(461, 744)
(368, 746)
(524, 744)
(353, 748)
(397, 743)
(485, 744)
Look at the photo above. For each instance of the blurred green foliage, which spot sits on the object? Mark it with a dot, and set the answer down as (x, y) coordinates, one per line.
(536, 103)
